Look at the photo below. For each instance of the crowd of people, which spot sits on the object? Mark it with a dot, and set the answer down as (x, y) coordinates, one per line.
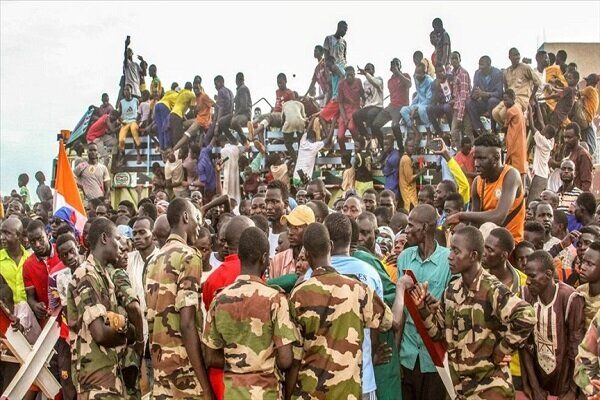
(243, 275)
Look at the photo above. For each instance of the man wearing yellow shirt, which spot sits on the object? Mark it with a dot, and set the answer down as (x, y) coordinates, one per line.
(589, 98)
(408, 177)
(162, 110)
(182, 103)
(497, 248)
(12, 257)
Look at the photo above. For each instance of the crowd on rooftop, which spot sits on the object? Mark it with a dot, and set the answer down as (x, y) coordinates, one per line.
(243, 275)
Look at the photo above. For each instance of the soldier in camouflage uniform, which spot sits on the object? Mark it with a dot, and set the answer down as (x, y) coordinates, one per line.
(96, 341)
(249, 324)
(173, 309)
(587, 362)
(128, 305)
(481, 321)
(331, 311)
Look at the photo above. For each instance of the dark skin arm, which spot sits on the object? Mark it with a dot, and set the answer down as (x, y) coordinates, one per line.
(497, 215)
(533, 387)
(213, 358)
(136, 317)
(38, 308)
(224, 199)
(397, 73)
(104, 335)
(127, 41)
(191, 342)
(284, 357)
(290, 379)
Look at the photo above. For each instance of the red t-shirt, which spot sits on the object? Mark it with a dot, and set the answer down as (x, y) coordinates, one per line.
(281, 96)
(349, 93)
(466, 161)
(97, 129)
(35, 274)
(223, 276)
(399, 90)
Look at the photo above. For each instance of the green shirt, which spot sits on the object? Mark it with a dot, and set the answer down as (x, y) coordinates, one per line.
(387, 376)
(285, 282)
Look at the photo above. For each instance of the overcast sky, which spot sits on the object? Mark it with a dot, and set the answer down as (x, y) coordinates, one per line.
(58, 57)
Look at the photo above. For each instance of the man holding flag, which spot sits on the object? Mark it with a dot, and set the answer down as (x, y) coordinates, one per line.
(481, 322)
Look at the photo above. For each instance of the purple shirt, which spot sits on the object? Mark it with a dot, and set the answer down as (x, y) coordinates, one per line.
(224, 101)
(206, 171)
(390, 170)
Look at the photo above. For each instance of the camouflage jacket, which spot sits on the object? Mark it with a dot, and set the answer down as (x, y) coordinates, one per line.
(332, 311)
(474, 322)
(94, 367)
(125, 295)
(250, 321)
(172, 283)
(587, 363)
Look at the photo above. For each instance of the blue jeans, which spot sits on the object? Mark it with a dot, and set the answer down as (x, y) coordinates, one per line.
(161, 117)
(476, 108)
(421, 109)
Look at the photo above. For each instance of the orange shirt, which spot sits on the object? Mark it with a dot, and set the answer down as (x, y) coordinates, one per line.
(489, 194)
(516, 147)
(204, 107)
(590, 99)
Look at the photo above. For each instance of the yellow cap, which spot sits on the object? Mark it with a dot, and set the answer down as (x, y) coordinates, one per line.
(301, 215)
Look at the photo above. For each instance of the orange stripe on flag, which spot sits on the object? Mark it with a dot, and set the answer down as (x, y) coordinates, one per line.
(66, 191)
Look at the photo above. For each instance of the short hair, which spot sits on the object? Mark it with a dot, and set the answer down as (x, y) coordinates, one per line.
(349, 68)
(592, 230)
(64, 238)
(239, 75)
(486, 58)
(540, 53)
(595, 246)
(488, 140)
(418, 54)
(562, 55)
(536, 227)
(429, 190)
(149, 209)
(261, 222)
(176, 209)
(35, 224)
(321, 206)
(456, 198)
(204, 232)
(560, 217)
(543, 257)
(283, 189)
(450, 185)
(129, 206)
(316, 239)
(457, 53)
(253, 244)
(587, 201)
(384, 213)
(510, 93)
(370, 191)
(339, 228)
(575, 75)
(281, 75)
(474, 238)
(319, 48)
(317, 182)
(142, 218)
(366, 215)
(505, 238)
(387, 193)
(219, 78)
(574, 126)
(524, 244)
(99, 226)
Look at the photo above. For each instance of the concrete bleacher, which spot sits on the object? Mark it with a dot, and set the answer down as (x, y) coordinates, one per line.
(328, 163)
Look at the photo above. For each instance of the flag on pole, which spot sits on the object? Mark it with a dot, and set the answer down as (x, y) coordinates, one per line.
(66, 193)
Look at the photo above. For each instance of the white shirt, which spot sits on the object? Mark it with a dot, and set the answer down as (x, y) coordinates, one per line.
(214, 261)
(295, 117)
(307, 153)
(373, 94)
(541, 155)
(135, 269)
(273, 242)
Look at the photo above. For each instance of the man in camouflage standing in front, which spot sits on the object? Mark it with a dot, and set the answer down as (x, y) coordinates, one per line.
(587, 370)
(173, 311)
(97, 331)
(331, 311)
(480, 320)
(248, 326)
